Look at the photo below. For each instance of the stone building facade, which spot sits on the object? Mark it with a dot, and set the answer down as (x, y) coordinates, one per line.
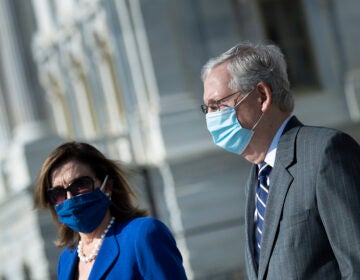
(124, 75)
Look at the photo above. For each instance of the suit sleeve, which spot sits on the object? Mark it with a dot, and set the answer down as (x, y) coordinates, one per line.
(156, 251)
(338, 198)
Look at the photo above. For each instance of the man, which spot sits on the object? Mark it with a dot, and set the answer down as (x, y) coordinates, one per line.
(303, 213)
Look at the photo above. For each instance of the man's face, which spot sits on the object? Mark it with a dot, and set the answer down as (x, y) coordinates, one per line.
(216, 87)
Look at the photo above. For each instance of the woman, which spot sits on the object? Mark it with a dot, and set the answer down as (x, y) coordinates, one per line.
(105, 236)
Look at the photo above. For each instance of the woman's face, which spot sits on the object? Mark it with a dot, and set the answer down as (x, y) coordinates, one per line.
(69, 171)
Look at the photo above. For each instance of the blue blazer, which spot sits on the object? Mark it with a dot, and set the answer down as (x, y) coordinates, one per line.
(141, 248)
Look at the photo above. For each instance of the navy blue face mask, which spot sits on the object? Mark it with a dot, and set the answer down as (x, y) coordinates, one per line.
(84, 213)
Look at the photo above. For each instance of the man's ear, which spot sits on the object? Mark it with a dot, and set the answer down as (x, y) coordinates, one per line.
(265, 95)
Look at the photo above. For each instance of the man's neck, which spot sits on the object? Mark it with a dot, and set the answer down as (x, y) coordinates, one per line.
(263, 136)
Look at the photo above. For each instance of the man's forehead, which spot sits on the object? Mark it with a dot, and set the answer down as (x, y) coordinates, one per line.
(216, 84)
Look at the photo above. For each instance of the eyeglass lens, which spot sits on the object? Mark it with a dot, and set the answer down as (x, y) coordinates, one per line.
(204, 108)
(216, 105)
(79, 186)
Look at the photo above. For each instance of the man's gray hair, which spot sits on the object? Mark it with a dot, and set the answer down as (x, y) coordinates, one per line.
(250, 64)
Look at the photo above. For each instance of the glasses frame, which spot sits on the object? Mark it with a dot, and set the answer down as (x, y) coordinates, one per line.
(68, 188)
(217, 103)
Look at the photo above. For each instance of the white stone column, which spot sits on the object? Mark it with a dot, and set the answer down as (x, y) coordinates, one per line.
(111, 93)
(146, 89)
(43, 16)
(20, 240)
(21, 104)
(101, 45)
(27, 128)
(76, 64)
(4, 142)
(5, 133)
(151, 147)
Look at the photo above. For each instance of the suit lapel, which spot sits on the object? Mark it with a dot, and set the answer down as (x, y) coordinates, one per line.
(280, 180)
(249, 222)
(107, 255)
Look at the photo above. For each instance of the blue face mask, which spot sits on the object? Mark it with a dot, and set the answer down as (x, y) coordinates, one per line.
(226, 130)
(84, 213)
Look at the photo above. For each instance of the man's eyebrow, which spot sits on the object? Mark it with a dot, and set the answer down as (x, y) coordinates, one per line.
(212, 100)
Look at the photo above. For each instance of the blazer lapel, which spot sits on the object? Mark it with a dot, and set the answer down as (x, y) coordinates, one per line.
(280, 180)
(68, 261)
(249, 222)
(107, 255)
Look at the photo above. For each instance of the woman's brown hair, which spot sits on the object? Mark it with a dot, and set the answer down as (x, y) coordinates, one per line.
(122, 196)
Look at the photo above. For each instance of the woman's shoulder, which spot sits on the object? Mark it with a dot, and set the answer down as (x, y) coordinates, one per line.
(142, 226)
(143, 223)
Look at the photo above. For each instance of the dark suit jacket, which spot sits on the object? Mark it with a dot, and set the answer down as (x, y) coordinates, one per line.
(141, 248)
(312, 222)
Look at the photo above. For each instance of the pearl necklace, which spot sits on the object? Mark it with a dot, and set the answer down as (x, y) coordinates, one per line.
(96, 249)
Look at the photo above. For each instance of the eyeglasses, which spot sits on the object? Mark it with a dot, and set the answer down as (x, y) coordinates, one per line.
(81, 185)
(215, 106)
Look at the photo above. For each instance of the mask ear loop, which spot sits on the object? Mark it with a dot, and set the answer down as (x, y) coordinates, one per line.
(259, 119)
(257, 122)
(104, 183)
(103, 186)
(242, 99)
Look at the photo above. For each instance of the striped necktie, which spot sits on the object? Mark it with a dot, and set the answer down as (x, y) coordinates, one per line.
(262, 191)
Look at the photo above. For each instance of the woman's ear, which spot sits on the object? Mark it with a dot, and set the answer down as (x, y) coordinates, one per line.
(265, 95)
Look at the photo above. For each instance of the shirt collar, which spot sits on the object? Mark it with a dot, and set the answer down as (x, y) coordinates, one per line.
(271, 153)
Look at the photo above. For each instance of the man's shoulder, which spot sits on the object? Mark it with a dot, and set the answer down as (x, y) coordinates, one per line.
(319, 130)
(323, 133)
(307, 130)
(317, 139)
(295, 124)
(314, 138)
